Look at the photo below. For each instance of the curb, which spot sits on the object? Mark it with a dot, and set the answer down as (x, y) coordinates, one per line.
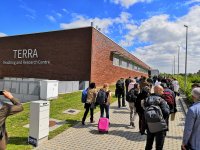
(183, 104)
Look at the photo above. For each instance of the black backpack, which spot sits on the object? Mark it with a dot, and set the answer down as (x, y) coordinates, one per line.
(120, 85)
(101, 97)
(127, 81)
(153, 115)
(131, 96)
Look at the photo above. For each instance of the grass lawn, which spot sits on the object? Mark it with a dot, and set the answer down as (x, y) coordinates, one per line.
(18, 135)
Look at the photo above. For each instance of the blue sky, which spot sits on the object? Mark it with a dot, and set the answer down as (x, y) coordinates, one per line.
(149, 29)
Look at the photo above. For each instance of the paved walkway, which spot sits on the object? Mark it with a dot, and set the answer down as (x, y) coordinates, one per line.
(120, 136)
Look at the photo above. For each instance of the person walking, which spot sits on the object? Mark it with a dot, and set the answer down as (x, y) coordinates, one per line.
(89, 105)
(191, 136)
(139, 108)
(155, 100)
(120, 92)
(5, 111)
(150, 81)
(106, 102)
(131, 98)
(131, 84)
(175, 86)
(143, 83)
(127, 82)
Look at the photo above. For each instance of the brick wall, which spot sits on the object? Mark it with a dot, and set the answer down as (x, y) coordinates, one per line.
(69, 53)
(102, 69)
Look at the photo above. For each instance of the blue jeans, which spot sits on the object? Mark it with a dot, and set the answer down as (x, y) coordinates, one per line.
(106, 107)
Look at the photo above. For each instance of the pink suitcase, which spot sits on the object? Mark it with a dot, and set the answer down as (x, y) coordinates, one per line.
(103, 125)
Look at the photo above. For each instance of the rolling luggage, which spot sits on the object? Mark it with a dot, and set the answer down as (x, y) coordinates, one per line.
(103, 125)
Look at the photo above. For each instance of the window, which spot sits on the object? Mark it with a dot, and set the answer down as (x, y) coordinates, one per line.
(115, 61)
(120, 61)
(123, 63)
(135, 67)
(130, 66)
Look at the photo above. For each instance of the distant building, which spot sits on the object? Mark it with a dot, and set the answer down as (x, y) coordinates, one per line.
(153, 72)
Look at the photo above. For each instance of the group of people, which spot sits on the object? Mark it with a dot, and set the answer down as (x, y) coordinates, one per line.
(94, 98)
(153, 108)
(137, 93)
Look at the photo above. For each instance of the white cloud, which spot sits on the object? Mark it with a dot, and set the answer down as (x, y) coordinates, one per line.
(84, 22)
(192, 1)
(31, 13)
(128, 3)
(51, 18)
(65, 10)
(30, 16)
(103, 23)
(59, 14)
(123, 18)
(164, 36)
(2, 34)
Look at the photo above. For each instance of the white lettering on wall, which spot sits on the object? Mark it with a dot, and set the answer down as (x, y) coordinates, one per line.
(15, 53)
(25, 53)
(19, 54)
(35, 53)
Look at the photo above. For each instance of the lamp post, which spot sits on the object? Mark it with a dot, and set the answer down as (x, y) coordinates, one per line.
(186, 56)
(174, 66)
(179, 47)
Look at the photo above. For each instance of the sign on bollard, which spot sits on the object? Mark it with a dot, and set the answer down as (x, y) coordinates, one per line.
(39, 122)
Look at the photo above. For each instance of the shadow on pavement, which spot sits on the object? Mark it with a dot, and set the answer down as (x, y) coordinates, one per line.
(72, 123)
(116, 107)
(118, 125)
(175, 137)
(121, 112)
(132, 136)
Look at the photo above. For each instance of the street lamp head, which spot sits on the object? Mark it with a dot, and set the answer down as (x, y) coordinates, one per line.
(186, 26)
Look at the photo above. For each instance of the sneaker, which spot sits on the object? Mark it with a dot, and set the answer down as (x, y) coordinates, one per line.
(83, 123)
(92, 121)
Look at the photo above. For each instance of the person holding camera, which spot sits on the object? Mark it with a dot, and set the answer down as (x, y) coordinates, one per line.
(5, 111)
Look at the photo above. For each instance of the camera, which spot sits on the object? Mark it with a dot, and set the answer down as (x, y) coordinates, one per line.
(1, 92)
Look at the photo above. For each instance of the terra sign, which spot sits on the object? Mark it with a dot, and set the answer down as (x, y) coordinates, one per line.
(21, 57)
(25, 53)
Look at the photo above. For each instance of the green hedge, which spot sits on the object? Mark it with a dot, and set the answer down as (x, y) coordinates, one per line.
(190, 80)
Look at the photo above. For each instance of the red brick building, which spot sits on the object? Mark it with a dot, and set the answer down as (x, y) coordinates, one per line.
(82, 54)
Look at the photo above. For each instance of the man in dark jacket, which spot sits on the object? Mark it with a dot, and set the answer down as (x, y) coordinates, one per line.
(120, 92)
(143, 83)
(127, 81)
(160, 136)
(5, 111)
(139, 109)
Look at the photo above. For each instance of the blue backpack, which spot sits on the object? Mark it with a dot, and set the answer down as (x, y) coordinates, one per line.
(84, 96)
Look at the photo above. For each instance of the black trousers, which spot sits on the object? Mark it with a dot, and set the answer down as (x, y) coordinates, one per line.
(87, 108)
(142, 124)
(160, 138)
(119, 95)
(106, 108)
(126, 90)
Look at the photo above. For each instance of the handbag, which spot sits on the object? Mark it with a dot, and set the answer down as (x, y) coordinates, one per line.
(92, 106)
